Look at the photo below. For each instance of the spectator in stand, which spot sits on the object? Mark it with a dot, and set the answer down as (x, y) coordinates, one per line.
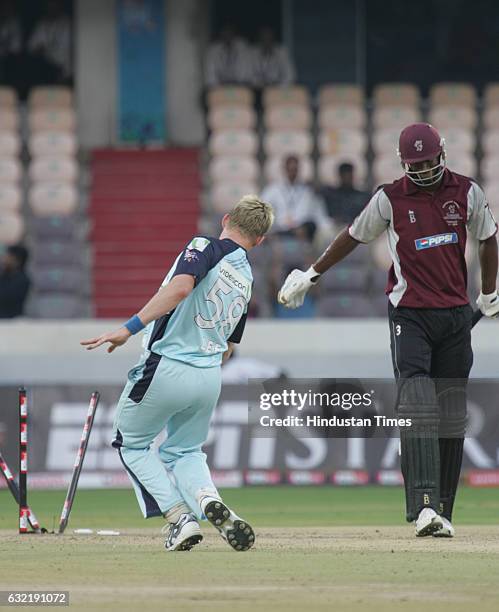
(14, 282)
(229, 60)
(271, 62)
(50, 45)
(344, 203)
(10, 41)
(299, 211)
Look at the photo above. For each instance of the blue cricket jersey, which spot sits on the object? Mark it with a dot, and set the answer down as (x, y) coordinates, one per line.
(214, 313)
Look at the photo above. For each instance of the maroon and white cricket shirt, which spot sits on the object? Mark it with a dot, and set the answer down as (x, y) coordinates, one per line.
(426, 233)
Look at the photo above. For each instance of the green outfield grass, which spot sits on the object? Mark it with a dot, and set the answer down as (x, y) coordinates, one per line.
(267, 506)
(317, 548)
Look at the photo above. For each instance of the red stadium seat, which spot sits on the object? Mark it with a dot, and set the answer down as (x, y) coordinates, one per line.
(288, 142)
(225, 194)
(53, 199)
(8, 97)
(9, 119)
(10, 143)
(396, 94)
(52, 143)
(341, 94)
(233, 95)
(344, 116)
(453, 94)
(233, 142)
(342, 141)
(52, 119)
(491, 95)
(238, 168)
(231, 118)
(11, 227)
(10, 197)
(52, 96)
(395, 116)
(53, 169)
(287, 117)
(293, 95)
(10, 170)
(443, 117)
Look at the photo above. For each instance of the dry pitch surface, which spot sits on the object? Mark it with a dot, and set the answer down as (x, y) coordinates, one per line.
(351, 569)
(317, 549)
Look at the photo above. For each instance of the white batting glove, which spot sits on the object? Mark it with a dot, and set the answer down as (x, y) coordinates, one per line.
(488, 303)
(295, 287)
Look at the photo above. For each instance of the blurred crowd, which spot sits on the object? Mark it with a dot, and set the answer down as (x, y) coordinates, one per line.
(304, 211)
(35, 54)
(232, 60)
(14, 282)
(307, 214)
(307, 217)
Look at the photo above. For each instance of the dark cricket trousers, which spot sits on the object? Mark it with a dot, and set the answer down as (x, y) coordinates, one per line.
(433, 342)
(436, 343)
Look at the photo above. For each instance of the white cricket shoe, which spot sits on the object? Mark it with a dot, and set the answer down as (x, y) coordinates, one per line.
(428, 522)
(233, 529)
(446, 531)
(184, 534)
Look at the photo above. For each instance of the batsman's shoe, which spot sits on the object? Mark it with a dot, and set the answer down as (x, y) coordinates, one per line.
(184, 534)
(233, 529)
(428, 522)
(446, 531)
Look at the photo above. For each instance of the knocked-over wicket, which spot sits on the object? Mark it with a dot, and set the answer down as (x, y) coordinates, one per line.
(23, 460)
(80, 456)
(20, 491)
(14, 489)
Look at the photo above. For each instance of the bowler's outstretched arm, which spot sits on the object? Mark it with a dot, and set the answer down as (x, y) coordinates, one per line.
(165, 300)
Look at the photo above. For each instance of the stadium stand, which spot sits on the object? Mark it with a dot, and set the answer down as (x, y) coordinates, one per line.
(56, 220)
(12, 225)
(273, 168)
(490, 145)
(246, 150)
(144, 208)
(395, 105)
(287, 124)
(246, 145)
(453, 108)
(341, 133)
(233, 145)
(327, 167)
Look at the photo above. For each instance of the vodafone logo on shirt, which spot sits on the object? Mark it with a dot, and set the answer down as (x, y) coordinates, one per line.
(435, 241)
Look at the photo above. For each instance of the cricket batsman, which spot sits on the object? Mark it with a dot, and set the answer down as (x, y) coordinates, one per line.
(190, 325)
(426, 214)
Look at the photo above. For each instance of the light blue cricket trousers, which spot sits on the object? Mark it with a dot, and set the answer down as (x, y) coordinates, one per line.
(164, 393)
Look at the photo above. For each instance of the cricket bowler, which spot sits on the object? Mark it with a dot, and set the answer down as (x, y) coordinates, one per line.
(426, 214)
(190, 326)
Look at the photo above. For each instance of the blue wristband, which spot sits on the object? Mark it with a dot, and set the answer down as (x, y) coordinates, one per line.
(134, 325)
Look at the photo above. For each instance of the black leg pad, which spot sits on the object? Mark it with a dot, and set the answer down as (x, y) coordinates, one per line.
(420, 456)
(452, 430)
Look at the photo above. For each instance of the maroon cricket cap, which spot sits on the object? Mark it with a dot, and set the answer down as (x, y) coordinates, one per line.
(419, 142)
